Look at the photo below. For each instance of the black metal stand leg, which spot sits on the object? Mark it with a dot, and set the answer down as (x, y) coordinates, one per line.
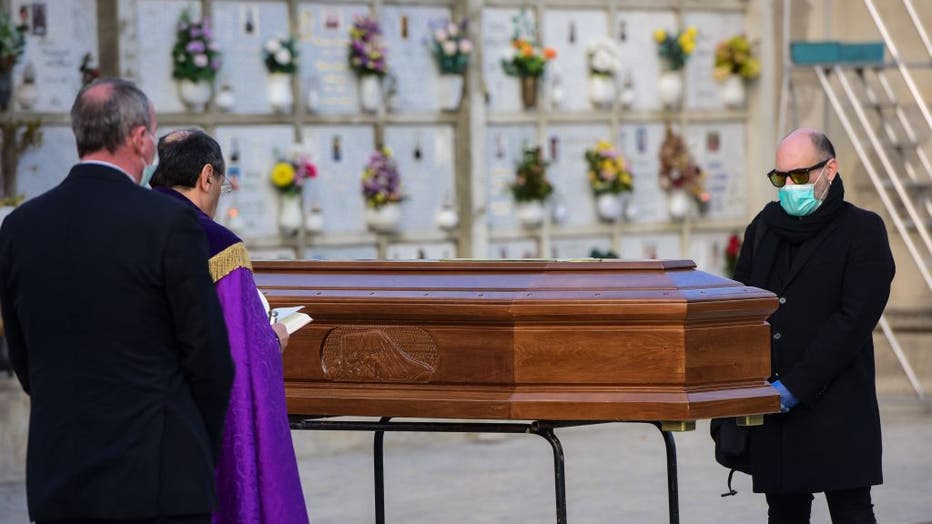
(379, 473)
(559, 475)
(672, 483)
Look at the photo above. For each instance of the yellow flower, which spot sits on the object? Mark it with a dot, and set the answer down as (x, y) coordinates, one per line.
(283, 174)
(692, 31)
(619, 164)
(603, 145)
(660, 35)
(625, 179)
(689, 48)
(607, 166)
(721, 73)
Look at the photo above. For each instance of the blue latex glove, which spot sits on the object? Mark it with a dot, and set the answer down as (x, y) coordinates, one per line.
(787, 400)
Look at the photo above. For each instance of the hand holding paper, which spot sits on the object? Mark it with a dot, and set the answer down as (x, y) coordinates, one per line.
(290, 317)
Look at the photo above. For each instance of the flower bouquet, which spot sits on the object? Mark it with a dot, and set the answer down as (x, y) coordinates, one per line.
(280, 55)
(734, 64)
(289, 176)
(526, 59)
(451, 48)
(602, 56)
(531, 187)
(367, 57)
(675, 51)
(680, 177)
(195, 60)
(381, 183)
(731, 254)
(608, 177)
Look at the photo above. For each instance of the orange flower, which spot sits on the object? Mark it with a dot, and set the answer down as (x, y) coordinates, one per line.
(518, 43)
(527, 50)
(550, 53)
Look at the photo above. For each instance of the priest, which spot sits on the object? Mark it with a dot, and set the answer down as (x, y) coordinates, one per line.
(257, 473)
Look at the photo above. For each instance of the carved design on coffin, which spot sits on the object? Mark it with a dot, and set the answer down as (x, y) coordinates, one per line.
(380, 354)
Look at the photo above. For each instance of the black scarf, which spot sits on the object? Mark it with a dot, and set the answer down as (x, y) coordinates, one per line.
(781, 227)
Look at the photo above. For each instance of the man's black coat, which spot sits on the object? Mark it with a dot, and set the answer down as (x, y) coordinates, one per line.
(116, 334)
(831, 297)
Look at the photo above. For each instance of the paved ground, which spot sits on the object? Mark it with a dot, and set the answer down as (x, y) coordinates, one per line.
(615, 473)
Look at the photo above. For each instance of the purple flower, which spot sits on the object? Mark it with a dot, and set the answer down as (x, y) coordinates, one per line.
(195, 47)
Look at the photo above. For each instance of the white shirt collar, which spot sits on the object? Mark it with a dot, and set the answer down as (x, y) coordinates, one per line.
(108, 164)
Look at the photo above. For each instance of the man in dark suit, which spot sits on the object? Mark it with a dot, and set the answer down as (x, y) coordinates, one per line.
(829, 262)
(115, 331)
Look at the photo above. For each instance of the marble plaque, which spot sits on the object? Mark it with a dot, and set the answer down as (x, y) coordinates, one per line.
(241, 29)
(579, 247)
(256, 200)
(707, 250)
(425, 251)
(516, 248)
(651, 246)
(324, 40)
(640, 144)
(58, 34)
(340, 252)
(701, 88)
(502, 91)
(341, 153)
(634, 32)
(569, 32)
(44, 167)
(504, 145)
(424, 159)
(719, 149)
(408, 34)
(565, 148)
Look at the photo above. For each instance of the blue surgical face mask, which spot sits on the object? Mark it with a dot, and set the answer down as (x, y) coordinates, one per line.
(147, 175)
(799, 200)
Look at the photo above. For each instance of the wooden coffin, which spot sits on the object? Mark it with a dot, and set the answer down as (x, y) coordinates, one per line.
(558, 340)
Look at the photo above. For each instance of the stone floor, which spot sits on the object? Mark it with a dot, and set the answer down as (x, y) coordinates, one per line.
(615, 473)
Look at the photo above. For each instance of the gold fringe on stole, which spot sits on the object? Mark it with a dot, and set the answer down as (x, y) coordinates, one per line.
(228, 260)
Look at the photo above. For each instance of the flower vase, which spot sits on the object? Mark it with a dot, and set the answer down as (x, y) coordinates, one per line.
(447, 218)
(608, 206)
(385, 218)
(27, 95)
(601, 90)
(450, 91)
(529, 91)
(6, 89)
(531, 213)
(278, 91)
(314, 221)
(194, 95)
(678, 203)
(732, 91)
(226, 99)
(670, 88)
(289, 214)
(370, 93)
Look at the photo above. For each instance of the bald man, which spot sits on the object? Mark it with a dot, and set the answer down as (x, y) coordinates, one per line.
(829, 262)
(115, 332)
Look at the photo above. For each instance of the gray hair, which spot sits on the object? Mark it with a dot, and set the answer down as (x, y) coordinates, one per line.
(105, 121)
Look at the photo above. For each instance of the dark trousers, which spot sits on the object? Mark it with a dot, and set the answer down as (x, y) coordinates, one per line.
(177, 519)
(849, 506)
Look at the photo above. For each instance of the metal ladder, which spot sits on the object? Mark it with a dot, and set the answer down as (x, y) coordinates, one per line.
(888, 146)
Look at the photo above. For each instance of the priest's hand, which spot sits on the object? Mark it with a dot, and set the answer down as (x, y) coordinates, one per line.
(282, 333)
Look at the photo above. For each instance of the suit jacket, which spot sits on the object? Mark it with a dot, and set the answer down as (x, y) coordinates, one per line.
(116, 333)
(830, 298)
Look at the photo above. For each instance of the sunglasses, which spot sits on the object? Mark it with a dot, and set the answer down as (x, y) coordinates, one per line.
(798, 176)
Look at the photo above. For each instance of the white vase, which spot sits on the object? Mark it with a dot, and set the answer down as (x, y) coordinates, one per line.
(601, 90)
(732, 91)
(27, 95)
(608, 206)
(678, 204)
(450, 91)
(530, 214)
(447, 218)
(313, 100)
(289, 214)
(385, 218)
(370, 93)
(194, 95)
(278, 90)
(225, 99)
(314, 222)
(670, 88)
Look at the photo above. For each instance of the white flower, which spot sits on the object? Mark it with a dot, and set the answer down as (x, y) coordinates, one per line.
(449, 48)
(200, 60)
(508, 54)
(273, 45)
(453, 29)
(440, 35)
(283, 56)
(465, 46)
